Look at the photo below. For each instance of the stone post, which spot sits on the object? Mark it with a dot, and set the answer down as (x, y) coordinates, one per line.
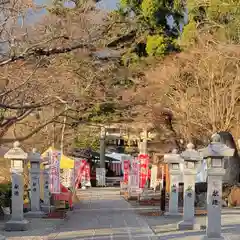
(191, 160)
(144, 142)
(18, 157)
(215, 153)
(46, 206)
(102, 170)
(102, 147)
(35, 159)
(173, 160)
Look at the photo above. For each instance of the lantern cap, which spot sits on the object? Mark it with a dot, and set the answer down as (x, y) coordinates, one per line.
(16, 152)
(34, 156)
(173, 157)
(190, 154)
(216, 149)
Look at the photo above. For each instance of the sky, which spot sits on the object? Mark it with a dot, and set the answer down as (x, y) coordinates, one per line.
(107, 4)
(33, 17)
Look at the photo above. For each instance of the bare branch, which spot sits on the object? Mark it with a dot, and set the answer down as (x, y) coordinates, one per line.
(47, 52)
(26, 106)
(36, 130)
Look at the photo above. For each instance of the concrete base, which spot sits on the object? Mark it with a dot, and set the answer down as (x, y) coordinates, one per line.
(210, 238)
(188, 225)
(17, 225)
(2, 237)
(172, 214)
(37, 214)
(47, 209)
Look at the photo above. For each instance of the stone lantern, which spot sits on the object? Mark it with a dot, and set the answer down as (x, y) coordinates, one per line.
(174, 160)
(191, 162)
(215, 152)
(35, 160)
(18, 158)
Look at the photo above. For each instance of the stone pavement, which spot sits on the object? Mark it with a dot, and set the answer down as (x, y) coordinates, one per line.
(39, 229)
(166, 227)
(103, 214)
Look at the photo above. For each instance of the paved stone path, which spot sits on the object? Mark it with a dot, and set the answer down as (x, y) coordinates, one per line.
(166, 227)
(104, 215)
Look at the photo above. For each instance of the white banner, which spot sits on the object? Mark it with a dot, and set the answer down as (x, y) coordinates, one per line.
(135, 173)
(154, 171)
(67, 177)
(133, 184)
(54, 172)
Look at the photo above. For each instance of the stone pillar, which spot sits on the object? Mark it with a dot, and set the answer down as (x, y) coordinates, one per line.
(215, 152)
(144, 142)
(35, 159)
(101, 177)
(102, 147)
(46, 206)
(191, 159)
(18, 157)
(173, 159)
(133, 182)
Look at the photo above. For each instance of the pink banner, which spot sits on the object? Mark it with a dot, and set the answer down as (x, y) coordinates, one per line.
(54, 172)
(77, 165)
(126, 169)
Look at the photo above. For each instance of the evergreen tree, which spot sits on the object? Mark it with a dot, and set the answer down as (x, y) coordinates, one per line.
(219, 18)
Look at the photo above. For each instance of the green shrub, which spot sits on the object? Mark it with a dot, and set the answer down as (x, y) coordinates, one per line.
(5, 194)
(156, 45)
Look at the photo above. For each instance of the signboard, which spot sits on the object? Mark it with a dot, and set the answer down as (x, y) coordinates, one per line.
(54, 171)
(144, 171)
(101, 176)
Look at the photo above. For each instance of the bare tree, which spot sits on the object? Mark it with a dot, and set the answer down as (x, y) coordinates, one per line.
(201, 88)
(58, 58)
(32, 76)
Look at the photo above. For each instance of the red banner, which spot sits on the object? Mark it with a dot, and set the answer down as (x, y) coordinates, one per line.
(87, 172)
(126, 169)
(83, 172)
(144, 169)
